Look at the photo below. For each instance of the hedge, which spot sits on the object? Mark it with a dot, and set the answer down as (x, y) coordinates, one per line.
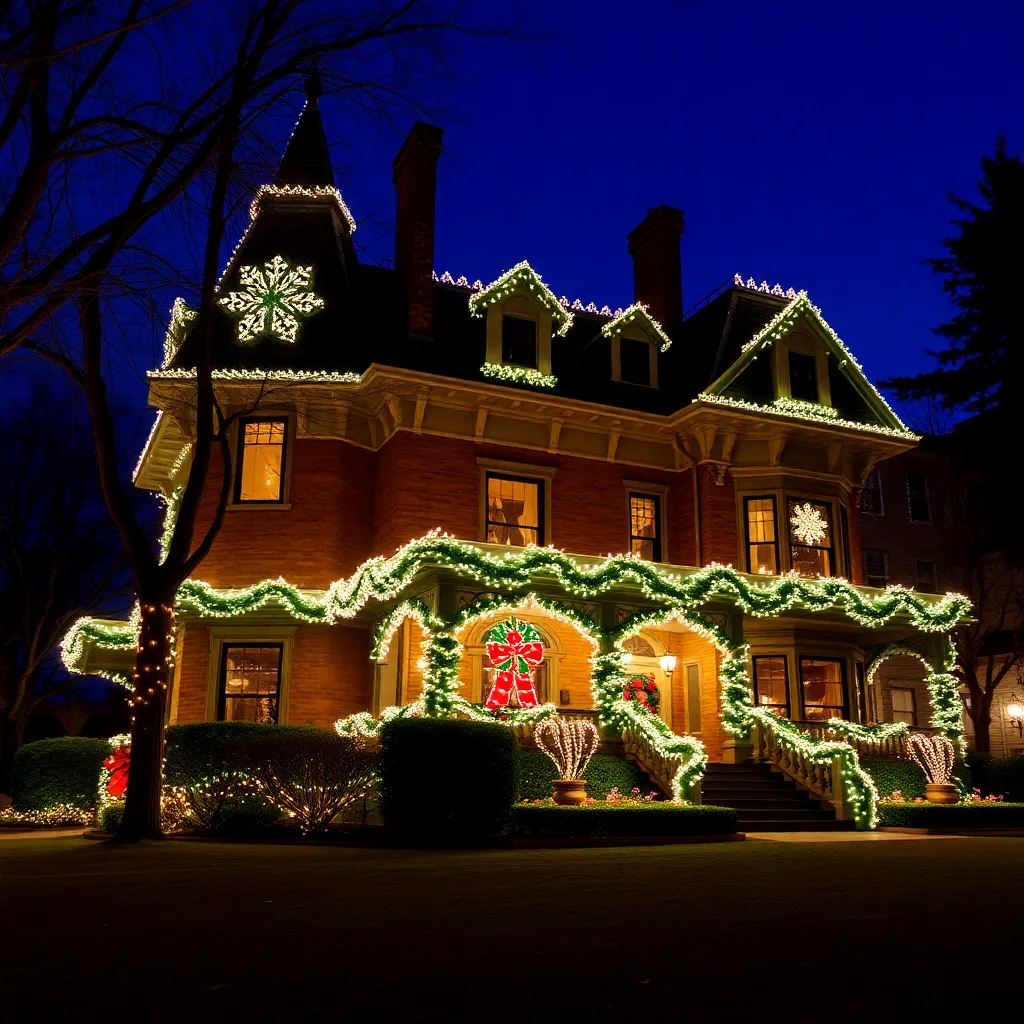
(535, 772)
(589, 821)
(993, 815)
(890, 774)
(446, 780)
(998, 775)
(65, 771)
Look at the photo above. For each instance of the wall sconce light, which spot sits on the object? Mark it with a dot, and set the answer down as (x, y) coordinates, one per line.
(668, 664)
(1015, 713)
(627, 658)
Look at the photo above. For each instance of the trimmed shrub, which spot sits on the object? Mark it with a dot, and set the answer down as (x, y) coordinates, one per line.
(890, 774)
(244, 814)
(109, 818)
(213, 762)
(535, 773)
(312, 775)
(990, 815)
(64, 771)
(593, 821)
(998, 775)
(444, 780)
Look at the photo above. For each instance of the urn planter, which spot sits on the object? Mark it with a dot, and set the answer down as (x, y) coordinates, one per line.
(941, 793)
(570, 792)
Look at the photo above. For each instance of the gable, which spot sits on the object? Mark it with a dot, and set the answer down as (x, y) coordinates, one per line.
(750, 378)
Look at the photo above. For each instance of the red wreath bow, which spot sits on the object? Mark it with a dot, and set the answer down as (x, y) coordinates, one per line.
(515, 661)
(117, 765)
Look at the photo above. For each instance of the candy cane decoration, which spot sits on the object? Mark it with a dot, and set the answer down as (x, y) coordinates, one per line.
(515, 650)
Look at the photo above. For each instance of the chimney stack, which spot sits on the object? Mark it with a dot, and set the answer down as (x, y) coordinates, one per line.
(657, 269)
(415, 179)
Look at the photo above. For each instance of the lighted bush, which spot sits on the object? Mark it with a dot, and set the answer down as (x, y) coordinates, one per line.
(310, 774)
(535, 773)
(214, 762)
(109, 817)
(58, 772)
(444, 780)
(595, 821)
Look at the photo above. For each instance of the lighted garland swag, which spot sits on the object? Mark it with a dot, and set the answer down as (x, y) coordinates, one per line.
(384, 578)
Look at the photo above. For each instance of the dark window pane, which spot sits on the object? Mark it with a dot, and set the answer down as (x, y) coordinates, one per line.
(917, 492)
(770, 684)
(824, 695)
(903, 705)
(519, 342)
(635, 361)
(644, 530)
(925, 572)
(803, 377)
(514, 511)
(871, 495)
(875, 569)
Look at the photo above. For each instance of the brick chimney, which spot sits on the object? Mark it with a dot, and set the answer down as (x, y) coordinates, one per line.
(657, 269)
(415, 179)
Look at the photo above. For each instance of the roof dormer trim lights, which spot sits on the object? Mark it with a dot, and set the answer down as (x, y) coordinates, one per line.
(303, 192)
(637, 314)
(518, 375)
(522, 279)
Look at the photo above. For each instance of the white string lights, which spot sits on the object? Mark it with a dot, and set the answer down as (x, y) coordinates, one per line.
(934, 755)
(569, 743)
(518, 375)
(522, 279)
(271, 300)
(637, 314)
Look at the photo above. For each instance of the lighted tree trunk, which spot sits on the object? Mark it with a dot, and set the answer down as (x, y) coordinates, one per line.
(982, 719)
(153, 662)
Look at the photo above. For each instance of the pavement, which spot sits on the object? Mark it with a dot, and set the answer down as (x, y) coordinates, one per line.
(847, 927)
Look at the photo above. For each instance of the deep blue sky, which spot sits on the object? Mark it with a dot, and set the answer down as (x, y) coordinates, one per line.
(809, 144)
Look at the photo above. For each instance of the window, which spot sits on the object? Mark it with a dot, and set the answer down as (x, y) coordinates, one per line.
(871, 495)
(644, 526)
(635, 361)
(803, 377)
(844, 526)
(693, 698)
(250, 680)
(519, 342)
(810, 537)
(762, 540)
(514, 511)
(876, 569)
(924, 572)
(261, 447)
(824, 689)
(771, 683)
(917, 493)
(903, 705)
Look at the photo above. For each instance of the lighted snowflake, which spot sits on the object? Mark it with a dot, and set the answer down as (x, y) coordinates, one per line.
(809, 524)
(272, 299)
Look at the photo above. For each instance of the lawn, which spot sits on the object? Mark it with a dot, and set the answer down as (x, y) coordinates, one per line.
(741, 930)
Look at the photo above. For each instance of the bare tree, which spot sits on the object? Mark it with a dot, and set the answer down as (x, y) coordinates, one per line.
(60, 556)
(184, 150)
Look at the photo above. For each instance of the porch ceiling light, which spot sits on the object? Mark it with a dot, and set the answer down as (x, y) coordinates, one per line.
(668, 663)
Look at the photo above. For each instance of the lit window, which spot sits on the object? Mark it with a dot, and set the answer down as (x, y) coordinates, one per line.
(762, 540)
(771, 684)
(871, 495)
(635, 361)
(519, 342)
(903, 705)
(250, 681)
(514, 511)
(824, 690)
(644, 531)
(810, 537)
(917, 494)
(925, 574)
(876, 572)
(803, 377)
(261, 461)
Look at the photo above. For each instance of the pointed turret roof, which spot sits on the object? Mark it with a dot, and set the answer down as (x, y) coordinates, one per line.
(306, 160)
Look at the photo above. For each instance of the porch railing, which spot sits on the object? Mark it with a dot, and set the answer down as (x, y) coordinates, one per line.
(660, 767)
(889, 746)
(818, 776)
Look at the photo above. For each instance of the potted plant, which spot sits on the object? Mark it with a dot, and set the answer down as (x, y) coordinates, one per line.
(934, 756)
(570, 743)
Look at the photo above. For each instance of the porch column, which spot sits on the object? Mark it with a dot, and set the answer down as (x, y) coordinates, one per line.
(736, 749)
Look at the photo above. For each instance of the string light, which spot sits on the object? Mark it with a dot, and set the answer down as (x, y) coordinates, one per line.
(808, 523)
(934, 755)
(177, 329)
(522, 279)
(271, 300)
(519, 375)
(637, 314)
(752, 285)
(302, 192)
(569, 743)
(804, 410)
(274, 376)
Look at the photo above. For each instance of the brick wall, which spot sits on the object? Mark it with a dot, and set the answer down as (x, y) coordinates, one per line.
(193, 675)
(718, 517)
(331, 675)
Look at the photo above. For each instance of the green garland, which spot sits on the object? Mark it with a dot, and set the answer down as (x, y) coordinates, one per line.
(868, 733)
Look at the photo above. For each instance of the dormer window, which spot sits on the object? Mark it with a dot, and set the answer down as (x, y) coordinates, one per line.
(636, 361)
(803, 377)
(519, 342)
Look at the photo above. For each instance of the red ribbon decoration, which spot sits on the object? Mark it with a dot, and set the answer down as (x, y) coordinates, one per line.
(514, 653)
(117, 765)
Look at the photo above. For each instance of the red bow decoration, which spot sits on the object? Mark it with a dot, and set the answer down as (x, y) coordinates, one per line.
(515, 659)
(117, 765)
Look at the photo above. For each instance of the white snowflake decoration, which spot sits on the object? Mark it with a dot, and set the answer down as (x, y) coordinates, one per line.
(809, 524)
(272, 299)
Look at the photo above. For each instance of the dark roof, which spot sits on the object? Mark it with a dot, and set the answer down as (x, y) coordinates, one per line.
(306, 159)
